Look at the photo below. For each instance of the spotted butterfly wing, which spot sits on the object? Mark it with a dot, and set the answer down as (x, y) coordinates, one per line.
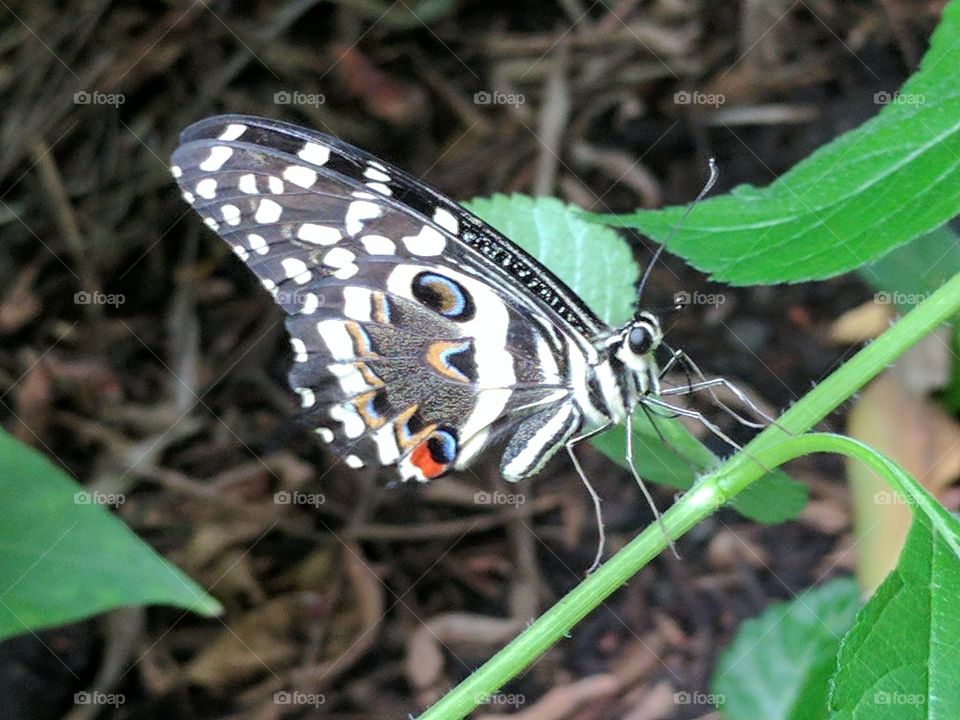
(420, 335)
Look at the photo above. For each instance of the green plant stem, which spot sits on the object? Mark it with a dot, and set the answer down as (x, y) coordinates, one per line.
(711, 492)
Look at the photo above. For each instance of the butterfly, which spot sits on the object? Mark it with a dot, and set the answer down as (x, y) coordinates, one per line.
(421, 336)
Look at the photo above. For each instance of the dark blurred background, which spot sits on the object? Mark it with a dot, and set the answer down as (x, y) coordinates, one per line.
(371, 600)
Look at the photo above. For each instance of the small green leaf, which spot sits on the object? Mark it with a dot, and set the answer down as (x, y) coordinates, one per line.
(597, 264)
(63, 557)
(874, 188)
(779, 665)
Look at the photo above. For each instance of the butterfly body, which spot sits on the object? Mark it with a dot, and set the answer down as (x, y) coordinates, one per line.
(421, 336)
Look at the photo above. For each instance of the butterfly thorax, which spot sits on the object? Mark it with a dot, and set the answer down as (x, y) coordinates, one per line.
(625, 371)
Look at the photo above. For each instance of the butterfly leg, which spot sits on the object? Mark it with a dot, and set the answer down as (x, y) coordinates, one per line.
(709, 385)
(643, 485)
(570, 444)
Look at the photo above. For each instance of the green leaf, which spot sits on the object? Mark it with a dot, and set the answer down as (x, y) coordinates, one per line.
(907, 275)
(779, 665)
(592, 260)
(878, 186)
(597, 264)
(900, 660)
(63, 557)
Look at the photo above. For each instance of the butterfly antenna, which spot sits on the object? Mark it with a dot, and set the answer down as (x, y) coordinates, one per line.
(708, 186)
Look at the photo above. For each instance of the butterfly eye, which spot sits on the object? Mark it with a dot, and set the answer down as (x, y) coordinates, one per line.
(640, 340)
(444, 295)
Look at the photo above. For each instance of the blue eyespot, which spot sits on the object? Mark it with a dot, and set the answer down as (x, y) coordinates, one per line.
(442, 446)
(444, 295)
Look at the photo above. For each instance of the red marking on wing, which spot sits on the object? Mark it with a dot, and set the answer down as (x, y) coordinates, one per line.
(422, 459)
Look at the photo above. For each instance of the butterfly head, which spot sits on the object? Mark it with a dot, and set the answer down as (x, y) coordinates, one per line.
(638, 339)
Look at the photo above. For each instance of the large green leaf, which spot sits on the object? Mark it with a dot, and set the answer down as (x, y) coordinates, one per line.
(874, 188)
(64, 557)
(598, 265)
(901, 659)
(780, 664)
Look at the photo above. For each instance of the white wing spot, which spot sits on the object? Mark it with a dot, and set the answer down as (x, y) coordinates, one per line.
(338, 258)
(248, 184)
(267, 211)
(296, 270)
(326, 434)
(359, 211)
(335, 336)
(231, 214)
(308, 398)
(378, 245)
(219, 154)
(363, 195)
(346, 272)
(310, 304)
(176, 171)
(380, 188)
(428, 241)
(188, 196)
(299, 349)
(232, 132)
(207, 188)
(275, 185)
(258, 244)
(353, 426)
(241, 252)
(269, 284)
(319, 234)
(300, 175)
(211, 223)
(353, 461)
(314, 153)
(356, 303)
(445, 219)
(373, 174)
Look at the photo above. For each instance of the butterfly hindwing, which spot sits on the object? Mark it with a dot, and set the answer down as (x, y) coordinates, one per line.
(412, 346)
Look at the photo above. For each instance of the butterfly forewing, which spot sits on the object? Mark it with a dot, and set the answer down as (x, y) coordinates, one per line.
(420, 336)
